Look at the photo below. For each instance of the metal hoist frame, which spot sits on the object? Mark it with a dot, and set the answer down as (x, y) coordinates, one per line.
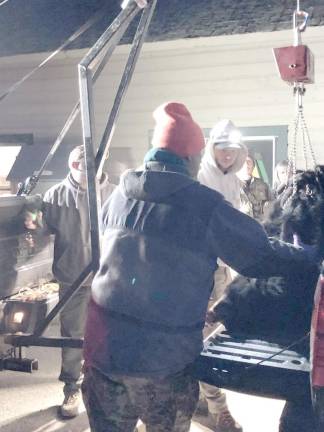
(299, 121)
(90, 69)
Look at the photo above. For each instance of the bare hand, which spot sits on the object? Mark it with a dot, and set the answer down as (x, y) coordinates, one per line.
(31, 220)
(210, 318)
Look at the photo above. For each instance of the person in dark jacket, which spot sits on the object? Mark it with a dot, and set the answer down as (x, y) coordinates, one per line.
(162, 235)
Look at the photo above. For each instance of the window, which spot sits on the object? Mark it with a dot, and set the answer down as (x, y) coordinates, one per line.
(10, 147)
(8, 156)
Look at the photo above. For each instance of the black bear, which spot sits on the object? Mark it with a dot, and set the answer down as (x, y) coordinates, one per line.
(282, 306)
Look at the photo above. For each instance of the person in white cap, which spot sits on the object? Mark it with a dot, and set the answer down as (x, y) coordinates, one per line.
(224, 156)
(65, 215)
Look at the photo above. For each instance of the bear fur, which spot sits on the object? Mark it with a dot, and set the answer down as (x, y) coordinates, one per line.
(278, 307)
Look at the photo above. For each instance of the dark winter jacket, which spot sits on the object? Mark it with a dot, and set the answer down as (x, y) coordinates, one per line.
(163, 233)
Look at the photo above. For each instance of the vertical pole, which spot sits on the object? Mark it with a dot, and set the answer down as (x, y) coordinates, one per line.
(297, 35)
(87, 116)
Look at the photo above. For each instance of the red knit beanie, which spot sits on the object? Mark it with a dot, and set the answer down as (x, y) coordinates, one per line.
(175, 130)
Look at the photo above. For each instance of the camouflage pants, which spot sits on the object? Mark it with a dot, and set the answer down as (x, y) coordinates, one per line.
(117, 402)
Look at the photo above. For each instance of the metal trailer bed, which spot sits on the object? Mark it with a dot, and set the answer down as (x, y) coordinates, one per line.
(254, 366)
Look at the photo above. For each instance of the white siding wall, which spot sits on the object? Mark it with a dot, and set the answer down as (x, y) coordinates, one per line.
(228, 76)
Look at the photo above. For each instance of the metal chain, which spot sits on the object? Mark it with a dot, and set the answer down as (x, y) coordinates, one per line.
(292, 163)
(306, 132)
(304, 147)
(299, 122)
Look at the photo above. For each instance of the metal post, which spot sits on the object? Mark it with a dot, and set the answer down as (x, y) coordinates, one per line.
(33, 340)
(124, 84)
(87, 116)
(128, 15)
(113, 42)
(74, 287)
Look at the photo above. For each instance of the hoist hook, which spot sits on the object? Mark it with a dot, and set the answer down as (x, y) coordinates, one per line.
(299, 92)
(300, 19)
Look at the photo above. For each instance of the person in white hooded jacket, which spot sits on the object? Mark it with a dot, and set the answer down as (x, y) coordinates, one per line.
(224, 156)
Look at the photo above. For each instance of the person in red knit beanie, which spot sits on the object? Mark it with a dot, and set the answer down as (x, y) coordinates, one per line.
(162, 235)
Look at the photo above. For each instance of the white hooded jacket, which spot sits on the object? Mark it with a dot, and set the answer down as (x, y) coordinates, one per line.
(228, 184)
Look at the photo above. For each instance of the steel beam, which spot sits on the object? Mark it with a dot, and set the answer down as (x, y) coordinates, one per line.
(32, 340)
(124, 84)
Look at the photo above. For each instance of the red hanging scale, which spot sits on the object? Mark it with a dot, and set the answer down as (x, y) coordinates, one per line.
(296, 67)
(296, 62)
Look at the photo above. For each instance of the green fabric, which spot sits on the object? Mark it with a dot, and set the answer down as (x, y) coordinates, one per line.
(167, 158)
(164, 156)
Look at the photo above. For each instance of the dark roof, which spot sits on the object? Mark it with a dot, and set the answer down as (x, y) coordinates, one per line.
(28, 26)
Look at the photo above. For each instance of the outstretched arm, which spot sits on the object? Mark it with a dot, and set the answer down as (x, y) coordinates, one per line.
(242, 243)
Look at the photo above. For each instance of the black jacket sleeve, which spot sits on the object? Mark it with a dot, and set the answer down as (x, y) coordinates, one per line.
(242, 243)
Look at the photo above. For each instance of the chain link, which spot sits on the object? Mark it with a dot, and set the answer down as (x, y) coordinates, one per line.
(304, 147)
(306, 132)
(292, 163)
(300, 125)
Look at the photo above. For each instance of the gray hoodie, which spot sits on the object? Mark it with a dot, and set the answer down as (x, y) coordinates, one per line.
(65, 214)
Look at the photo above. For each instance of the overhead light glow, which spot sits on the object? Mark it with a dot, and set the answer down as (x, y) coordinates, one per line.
(235, 137)
(125, 4)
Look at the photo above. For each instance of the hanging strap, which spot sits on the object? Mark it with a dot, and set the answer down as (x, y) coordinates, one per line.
(96, 17)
